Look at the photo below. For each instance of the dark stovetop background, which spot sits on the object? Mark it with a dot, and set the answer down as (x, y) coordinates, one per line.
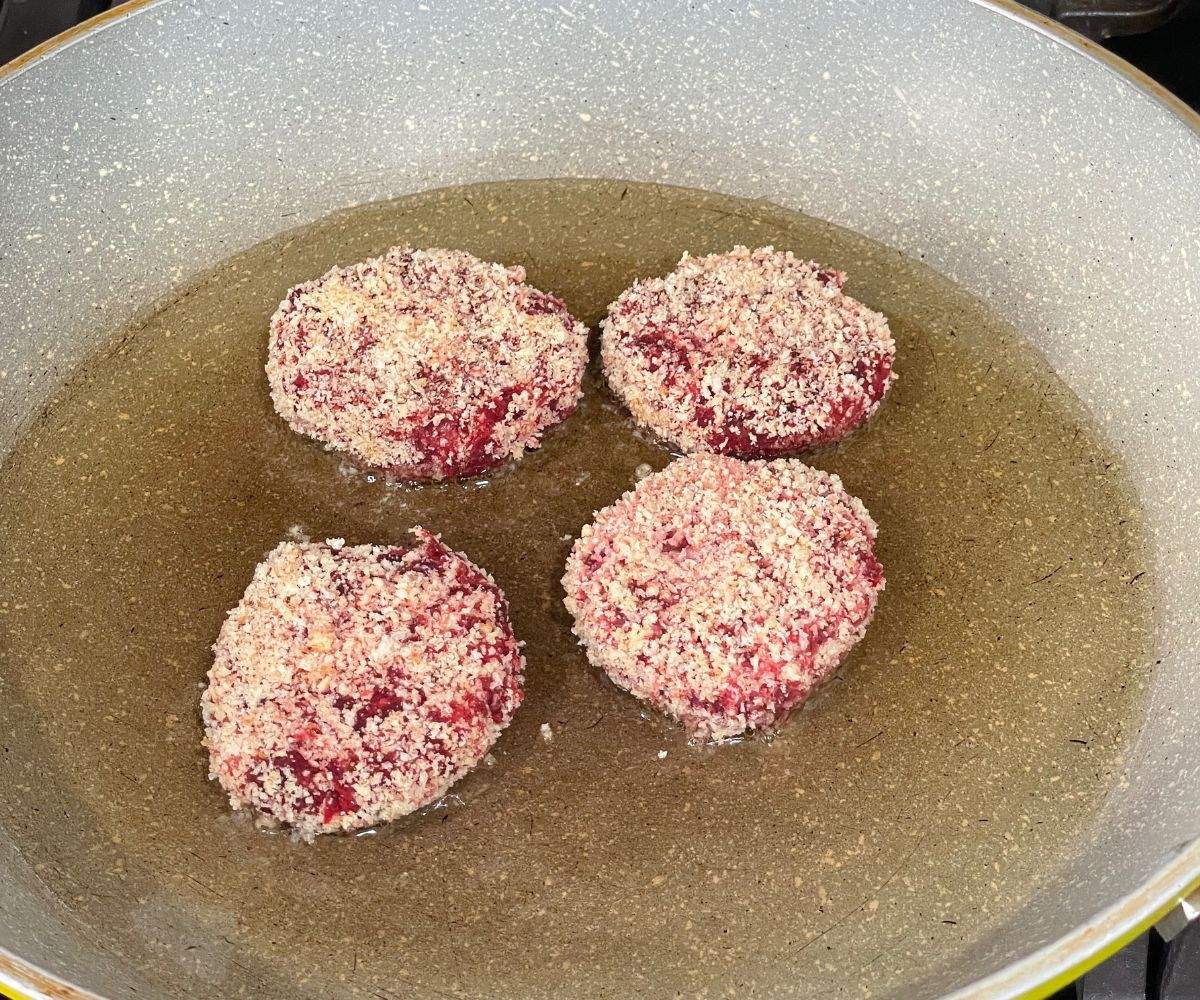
(1148, 969)
(1171, 55)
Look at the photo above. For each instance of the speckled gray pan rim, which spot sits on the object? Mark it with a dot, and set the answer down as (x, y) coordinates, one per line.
(1048, 180)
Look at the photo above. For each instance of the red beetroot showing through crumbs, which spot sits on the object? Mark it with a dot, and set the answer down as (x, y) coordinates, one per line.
(752, 353)
(723, 592)
(427, 363)
(354, 684)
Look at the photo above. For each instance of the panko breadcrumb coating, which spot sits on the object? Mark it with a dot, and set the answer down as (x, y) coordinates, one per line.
(753, 353)
(426, 363)
(724, 592)
(354, 684)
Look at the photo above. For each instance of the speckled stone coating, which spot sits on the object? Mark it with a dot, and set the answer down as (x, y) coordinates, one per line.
(1046, 180)
(355, 684)
(724, 592)
(427, 363)
(752, 353)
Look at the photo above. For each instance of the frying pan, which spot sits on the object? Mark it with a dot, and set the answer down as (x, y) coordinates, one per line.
(1049, 181)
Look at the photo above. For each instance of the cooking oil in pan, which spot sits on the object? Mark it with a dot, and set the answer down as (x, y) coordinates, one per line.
(971, 736)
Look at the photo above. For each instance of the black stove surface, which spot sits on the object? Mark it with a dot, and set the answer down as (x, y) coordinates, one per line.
(1170, 54)
(1149, 968)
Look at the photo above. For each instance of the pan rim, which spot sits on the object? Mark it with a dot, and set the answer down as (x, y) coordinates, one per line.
(1033, 977)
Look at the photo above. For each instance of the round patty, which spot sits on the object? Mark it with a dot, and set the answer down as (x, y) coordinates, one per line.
(354, 684)
(749, 353)
(426, 363)
(723, 592)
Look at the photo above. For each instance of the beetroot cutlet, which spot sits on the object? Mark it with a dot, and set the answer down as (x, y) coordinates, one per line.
(753, 353)
(723, 592)
(354, 684)
(427, 363)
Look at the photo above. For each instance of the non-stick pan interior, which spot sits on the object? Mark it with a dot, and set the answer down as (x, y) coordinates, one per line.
(952, 803)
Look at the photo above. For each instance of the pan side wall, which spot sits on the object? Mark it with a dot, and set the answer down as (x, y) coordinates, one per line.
(1039, 180)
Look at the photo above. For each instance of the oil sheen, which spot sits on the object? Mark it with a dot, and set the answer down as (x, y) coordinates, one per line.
(967, 743)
